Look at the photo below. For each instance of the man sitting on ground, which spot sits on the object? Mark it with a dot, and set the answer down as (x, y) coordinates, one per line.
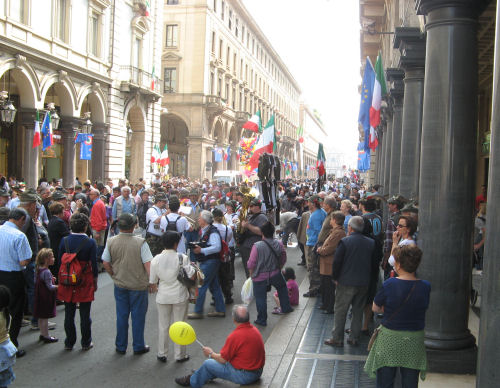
(241, 360)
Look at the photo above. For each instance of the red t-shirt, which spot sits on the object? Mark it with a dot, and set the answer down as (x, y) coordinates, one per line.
(244, 348)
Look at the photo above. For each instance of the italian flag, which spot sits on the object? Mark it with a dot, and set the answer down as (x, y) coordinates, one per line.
(379, 89)
(254, 124)
(265, 144)
(36, 137)
(153, 77)
(164, 159)
(155, 155)
(320, 160)
(300, 134)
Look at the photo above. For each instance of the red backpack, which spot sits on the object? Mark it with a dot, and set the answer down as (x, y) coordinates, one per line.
(72, 270)
(224, 253)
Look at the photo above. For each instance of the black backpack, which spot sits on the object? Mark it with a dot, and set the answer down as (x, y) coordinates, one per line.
(172, 225)
(142, 209)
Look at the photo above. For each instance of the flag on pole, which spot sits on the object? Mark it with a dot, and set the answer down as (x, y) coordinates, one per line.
(218, 154)
(379, 90)
(320, 160)
(227, 154)
(366, 100)
(300, 134)
(254, 124)
(265, 143)
(86, 147)
(363, 157)
(36, 137)
(164, 159)
(153, 78)
(47, 139)
(155, 155)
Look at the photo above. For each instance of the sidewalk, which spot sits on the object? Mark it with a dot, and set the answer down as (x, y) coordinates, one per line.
(297, 357)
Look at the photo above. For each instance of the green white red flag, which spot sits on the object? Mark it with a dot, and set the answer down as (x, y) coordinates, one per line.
(164, 159)
(254, 124)
(265, 144)
(379, 89)
(320, 160)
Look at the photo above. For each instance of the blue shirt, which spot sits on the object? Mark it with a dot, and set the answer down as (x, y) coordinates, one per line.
(314, 226)
(411, 315)
(128, 206)
(214, 244)
(346, 222)
(14, 246)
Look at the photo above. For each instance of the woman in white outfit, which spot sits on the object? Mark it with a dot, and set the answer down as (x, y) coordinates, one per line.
(405, 229)
(172, 296)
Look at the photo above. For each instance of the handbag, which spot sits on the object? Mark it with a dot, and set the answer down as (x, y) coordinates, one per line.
(182, 276)
(377, 330)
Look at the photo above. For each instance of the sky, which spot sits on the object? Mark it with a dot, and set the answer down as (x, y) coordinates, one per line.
(318, 40)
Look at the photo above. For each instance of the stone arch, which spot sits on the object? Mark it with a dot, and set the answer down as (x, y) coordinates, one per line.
(25, 79)
(134, 144)
(233, 136)
(174, 132)
(96, 100)
(218, 132)
(65, 90)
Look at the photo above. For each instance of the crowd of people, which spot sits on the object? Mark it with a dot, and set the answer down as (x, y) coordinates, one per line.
(143, 235)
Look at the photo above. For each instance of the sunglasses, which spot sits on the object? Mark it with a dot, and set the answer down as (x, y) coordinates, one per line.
(401, 226)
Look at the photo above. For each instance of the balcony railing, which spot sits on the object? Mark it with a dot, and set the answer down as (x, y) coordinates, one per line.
(138, 78)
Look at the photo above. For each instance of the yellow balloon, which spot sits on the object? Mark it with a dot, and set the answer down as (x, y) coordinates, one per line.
(182, 333)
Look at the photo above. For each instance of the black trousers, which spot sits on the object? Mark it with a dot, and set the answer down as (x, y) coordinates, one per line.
(327, 292)
(301, 246)
(16, 284)
(225, 279)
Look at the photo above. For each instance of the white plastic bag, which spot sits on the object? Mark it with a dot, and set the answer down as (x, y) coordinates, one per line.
(247, 291)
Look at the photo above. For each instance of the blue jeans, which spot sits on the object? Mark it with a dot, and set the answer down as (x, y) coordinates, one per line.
(210, 369)
(190, 237)
(260, 293)
(85, 324)
(210, 269)
(135, 304)
(386, 376)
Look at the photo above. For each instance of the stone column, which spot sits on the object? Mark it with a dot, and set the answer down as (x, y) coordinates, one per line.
(30, 157)
(397, 92)
(69, 128)
(447, 171)
(411, 44)
(488, 365)
(98, 151)
(388, 151)
(380, 154)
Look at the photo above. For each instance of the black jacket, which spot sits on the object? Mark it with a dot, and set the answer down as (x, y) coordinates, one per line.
(355, 261)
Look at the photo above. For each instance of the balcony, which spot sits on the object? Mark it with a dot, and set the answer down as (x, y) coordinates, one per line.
(215, 105)
(134, 79)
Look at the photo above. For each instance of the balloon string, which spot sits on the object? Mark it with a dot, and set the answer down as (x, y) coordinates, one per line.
(200, 343)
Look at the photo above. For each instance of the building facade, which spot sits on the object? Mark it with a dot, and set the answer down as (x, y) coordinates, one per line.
(438, 142)
(314, 133)
(83, 56)
(218, 68)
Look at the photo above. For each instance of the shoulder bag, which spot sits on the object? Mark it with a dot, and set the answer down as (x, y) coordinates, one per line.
(377, 330)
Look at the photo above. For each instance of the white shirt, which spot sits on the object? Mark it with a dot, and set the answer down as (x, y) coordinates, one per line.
(406, 241)
(222, 232)
(151, 215)
(182, 226)
(164, 269)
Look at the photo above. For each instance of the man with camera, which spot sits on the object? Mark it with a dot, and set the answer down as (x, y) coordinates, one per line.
(153, 219)
(207, 253)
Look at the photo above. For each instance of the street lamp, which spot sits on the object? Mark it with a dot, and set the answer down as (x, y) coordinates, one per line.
(87, 125)
(7, 109)
(54, 117)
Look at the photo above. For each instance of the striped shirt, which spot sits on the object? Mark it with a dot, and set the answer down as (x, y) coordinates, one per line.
(14, 246)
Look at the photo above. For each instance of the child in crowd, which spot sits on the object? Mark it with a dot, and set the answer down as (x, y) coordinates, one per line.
(45, 294)
(7, 348)
(293, 290)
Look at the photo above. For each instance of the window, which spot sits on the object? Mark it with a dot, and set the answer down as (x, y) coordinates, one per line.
(234, 97)
(213, 42)
(17, 10)
(212, 78)
(228, 56)
(60, 17)
(137, 53)
(215, 5)
(226, 92)
(94, 34)
(220, 49)
(236, 26)
(172, 2)
(219, 86)
(170, 80)
(243, 34)
(234, 62)
(222, 10)
(172, 35)
(230, 19)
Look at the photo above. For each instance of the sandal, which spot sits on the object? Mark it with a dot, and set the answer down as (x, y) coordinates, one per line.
(334, 343)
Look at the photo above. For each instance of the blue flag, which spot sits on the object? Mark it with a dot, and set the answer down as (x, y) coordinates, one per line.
(366, 100)
(363, 157)
(218, 155)
(85, 141)
(47, 139)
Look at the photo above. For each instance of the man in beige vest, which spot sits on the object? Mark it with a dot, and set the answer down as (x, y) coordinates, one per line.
(126, 259)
